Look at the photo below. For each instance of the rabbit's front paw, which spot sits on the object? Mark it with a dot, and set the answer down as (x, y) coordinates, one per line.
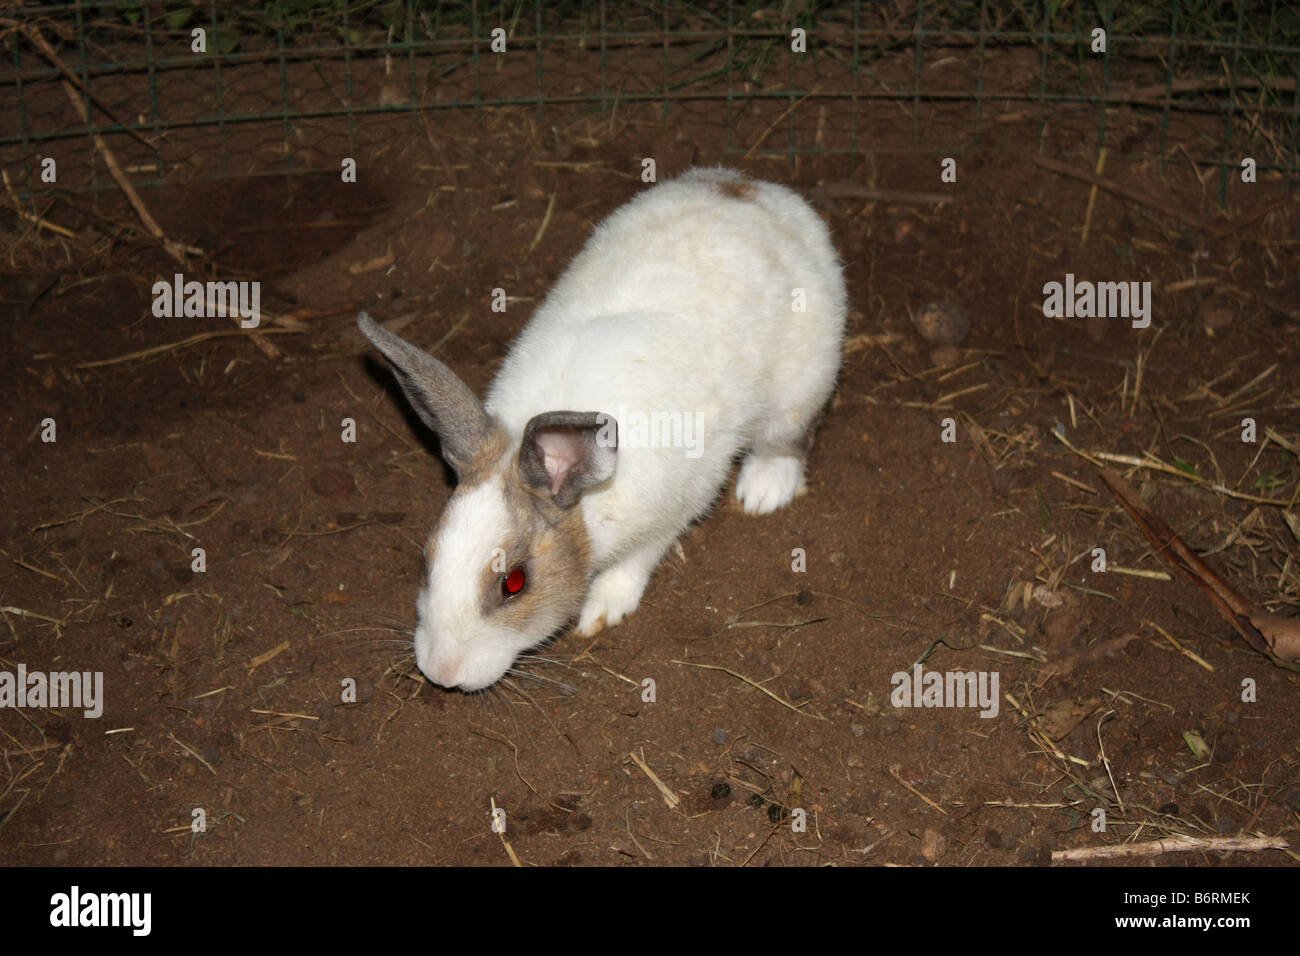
(613, 596)
(768, 482)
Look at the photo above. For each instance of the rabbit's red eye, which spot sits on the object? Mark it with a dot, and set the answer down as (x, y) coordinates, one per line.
(513, 582)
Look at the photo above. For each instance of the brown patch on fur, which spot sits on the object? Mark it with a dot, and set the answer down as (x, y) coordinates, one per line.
(486, 459)
(736, 188)
(552, 544)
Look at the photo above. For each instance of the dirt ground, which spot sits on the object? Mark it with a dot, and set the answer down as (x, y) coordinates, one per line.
(773, 685)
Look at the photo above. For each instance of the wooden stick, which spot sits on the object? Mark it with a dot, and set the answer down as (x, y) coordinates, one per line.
(1176, 844)
(174, 249)
(752, 683)
(665, 791)
(1159, 91)
(110, 159)
(848, 190)
(896, 772)
(171, 346)
(1127, 192)
(777, 122)
(40, 42)
(1137, 196)
(1270, 634)
(1092, 198)
(32, 217)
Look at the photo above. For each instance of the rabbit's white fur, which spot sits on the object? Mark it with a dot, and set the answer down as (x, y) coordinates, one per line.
(683, 300)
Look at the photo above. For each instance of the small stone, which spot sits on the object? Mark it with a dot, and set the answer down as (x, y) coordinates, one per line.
(933, 845)
(942, 323)
(1101, 785)
(912, 774)
(804, 598)
(776, 813)
(721, 790)
(719, 735)
(154, 460)
(858, 729)
(945, 355)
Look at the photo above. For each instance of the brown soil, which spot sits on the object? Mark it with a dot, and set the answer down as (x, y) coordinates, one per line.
(223, 687)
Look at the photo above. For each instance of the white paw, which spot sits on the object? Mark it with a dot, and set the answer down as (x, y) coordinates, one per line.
(613, 596)
(766, 484)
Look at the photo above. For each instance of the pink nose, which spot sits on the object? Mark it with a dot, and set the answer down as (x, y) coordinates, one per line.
(443, 671)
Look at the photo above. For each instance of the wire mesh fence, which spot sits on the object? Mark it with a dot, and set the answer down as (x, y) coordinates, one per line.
(179, 90)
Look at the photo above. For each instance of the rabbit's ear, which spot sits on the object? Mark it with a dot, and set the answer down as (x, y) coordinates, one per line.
(442, 400)
(565, 453)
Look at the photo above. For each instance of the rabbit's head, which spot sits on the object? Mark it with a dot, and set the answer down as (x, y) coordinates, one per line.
(509, 563)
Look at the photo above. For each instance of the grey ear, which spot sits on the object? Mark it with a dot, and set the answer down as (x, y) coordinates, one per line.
(565, 453)
(442, 400)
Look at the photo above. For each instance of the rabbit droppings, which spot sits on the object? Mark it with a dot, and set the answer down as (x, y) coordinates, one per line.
(701, 320)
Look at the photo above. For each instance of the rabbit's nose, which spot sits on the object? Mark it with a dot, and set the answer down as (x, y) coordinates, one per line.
(445, 672)
(441, 668)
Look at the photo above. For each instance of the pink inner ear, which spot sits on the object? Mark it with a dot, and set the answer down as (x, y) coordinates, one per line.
(560, 452)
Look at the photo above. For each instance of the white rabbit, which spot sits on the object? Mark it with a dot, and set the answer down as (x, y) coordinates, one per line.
(701, 320)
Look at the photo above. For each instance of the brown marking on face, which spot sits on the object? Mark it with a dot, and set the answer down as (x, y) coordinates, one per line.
(735, 188)
(554, 549)
(486, 459)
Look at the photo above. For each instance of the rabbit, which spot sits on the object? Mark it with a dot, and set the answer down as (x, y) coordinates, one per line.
(712, 307)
